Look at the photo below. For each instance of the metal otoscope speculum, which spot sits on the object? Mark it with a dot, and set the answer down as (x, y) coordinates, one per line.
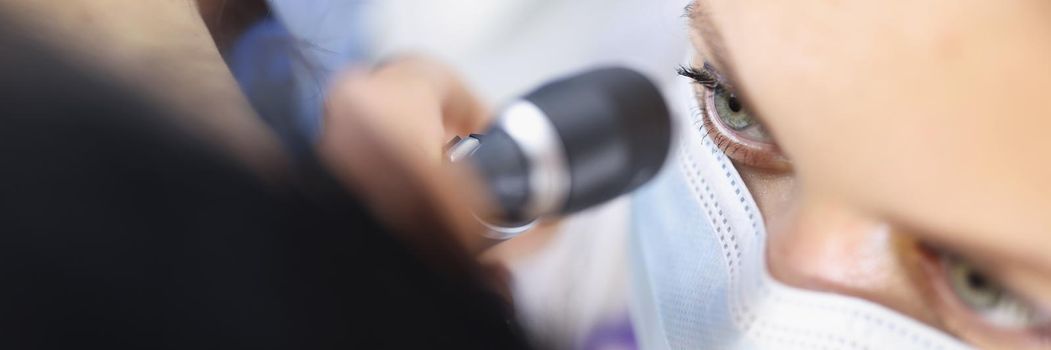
(569, 145)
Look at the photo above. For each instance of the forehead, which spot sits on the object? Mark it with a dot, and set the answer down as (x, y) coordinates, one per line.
(934, 114)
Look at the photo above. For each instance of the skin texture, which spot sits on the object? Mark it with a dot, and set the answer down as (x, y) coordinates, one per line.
(907, 125)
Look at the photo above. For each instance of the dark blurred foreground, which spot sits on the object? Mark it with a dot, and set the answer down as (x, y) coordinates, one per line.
(120, 230)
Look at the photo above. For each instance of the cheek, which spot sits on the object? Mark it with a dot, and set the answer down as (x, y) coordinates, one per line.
(773, 191)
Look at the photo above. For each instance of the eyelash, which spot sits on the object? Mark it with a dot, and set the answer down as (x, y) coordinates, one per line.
(705, 77)
(760, 154)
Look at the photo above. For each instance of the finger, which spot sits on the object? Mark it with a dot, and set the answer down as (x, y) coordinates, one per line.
(384, 134)
(462, 113)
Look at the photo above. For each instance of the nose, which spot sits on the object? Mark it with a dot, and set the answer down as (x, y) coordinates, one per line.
(822, 245)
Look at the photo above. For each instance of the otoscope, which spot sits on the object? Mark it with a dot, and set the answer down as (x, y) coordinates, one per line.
(567, 146)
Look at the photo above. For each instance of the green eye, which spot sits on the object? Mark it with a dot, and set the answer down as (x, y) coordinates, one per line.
(736, 131)
(733, 114)
(987, 298)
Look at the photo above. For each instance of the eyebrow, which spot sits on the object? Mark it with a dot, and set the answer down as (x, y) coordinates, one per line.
(700, 20)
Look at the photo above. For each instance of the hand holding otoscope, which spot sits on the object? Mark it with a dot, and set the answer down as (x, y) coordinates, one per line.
(568, 145)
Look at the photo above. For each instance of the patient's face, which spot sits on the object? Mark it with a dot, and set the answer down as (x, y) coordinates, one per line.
(899, 150)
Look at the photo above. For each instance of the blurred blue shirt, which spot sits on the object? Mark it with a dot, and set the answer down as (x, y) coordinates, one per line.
(283, 63)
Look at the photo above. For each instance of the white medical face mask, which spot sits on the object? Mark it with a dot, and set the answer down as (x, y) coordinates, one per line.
(699, 270)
